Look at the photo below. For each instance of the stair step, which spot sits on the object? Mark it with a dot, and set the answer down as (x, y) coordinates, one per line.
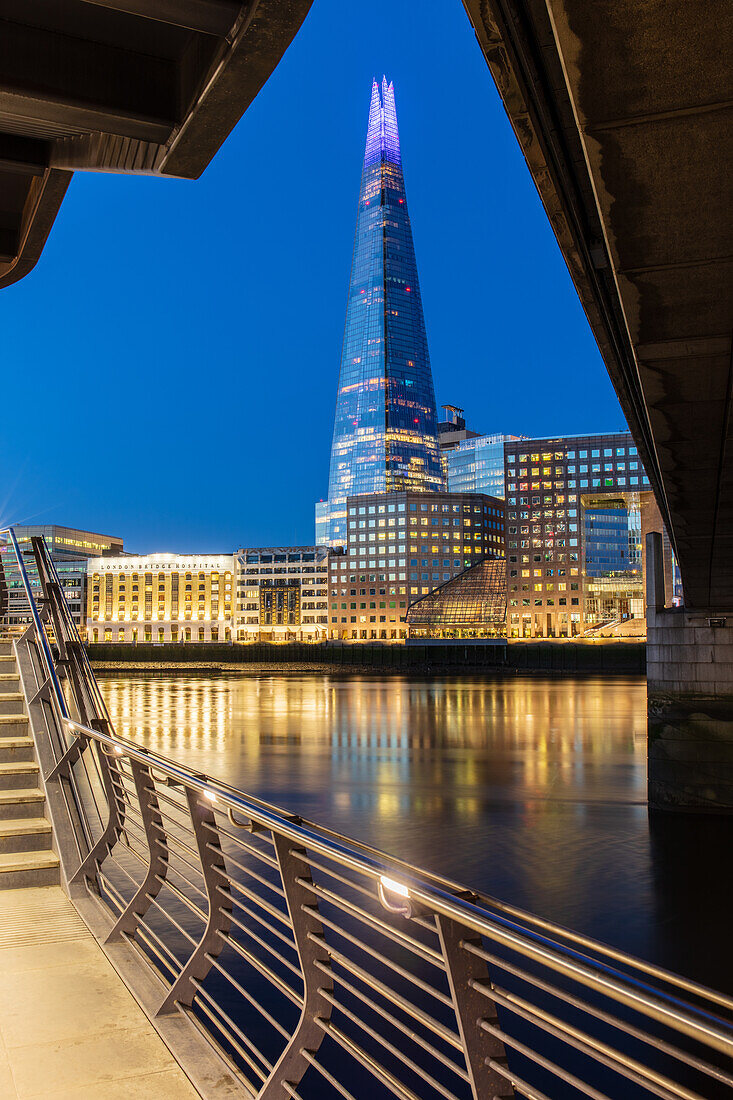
(16, 749)
(13, 725)
(8, 719)
(18, 774)
(28, 869)
(15, 825)
(11, 702)
(24, 834)
(21, 802)
(12, 861)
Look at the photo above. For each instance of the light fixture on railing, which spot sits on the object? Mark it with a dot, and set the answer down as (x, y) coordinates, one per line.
(394, 896)
(210, 795)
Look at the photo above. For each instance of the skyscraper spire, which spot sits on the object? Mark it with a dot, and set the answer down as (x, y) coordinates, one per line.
(385, 429)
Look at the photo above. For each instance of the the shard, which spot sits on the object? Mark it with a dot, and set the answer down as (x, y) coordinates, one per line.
(385, 429)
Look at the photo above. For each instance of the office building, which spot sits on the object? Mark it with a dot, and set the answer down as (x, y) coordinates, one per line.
(385, 428)
(401, 546)
(267, 593)
(471, 605)
(573, 533)
(282, 594)
(476, 464)
(161, 598)
(70, 548)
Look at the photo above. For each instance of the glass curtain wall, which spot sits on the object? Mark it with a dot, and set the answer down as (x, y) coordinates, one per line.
(385, 428)
(471, 605)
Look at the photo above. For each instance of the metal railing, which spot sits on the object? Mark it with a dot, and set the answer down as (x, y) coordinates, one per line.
(318, 967)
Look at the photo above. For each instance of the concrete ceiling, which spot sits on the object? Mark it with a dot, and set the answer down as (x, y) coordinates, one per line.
(624, 112)
(135, 86)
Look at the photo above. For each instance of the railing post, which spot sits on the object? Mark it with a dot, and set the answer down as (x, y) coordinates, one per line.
(308, 1035)
(155, 837)
(115, 820)
(463, 969)
(211, 943)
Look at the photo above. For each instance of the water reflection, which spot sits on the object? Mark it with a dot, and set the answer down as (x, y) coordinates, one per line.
(532, 789)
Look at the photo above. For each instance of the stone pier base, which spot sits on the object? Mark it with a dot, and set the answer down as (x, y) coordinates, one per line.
(690, 701)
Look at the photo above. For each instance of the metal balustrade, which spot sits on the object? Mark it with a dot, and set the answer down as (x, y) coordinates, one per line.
(317, 967)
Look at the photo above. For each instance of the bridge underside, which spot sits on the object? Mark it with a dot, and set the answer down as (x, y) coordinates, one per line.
(134, 86)
(623, 112)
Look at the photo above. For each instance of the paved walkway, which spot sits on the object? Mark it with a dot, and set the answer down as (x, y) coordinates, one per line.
(69, 1029)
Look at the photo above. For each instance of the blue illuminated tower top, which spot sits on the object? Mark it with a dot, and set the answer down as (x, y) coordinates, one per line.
(385, 435)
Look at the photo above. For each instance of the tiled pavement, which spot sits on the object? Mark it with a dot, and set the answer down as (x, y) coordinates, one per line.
(69, 1028)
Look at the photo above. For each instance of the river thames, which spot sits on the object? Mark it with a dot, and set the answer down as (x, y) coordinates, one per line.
(531, 789)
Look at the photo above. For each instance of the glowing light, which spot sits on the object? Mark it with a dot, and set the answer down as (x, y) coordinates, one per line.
(394, 896)
(394, 887)
(210, 795)
(408, 289)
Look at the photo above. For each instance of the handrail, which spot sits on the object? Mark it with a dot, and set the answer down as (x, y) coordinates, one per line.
(427, 893)
(41, 634)
(426, 980)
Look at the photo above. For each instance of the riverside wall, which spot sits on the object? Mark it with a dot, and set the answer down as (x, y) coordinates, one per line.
(569, 657)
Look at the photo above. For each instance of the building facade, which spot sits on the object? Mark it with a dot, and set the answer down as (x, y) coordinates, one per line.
(401, 546)
(161, 598)
(69, 548)
(385, 426)
(282, 594)
(573, 533)
(267, 593)
(476, 464)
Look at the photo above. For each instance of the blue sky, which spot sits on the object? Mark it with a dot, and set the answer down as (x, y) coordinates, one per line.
(170, 366)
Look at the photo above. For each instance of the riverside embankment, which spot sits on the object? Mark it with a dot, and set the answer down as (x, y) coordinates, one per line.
(435, 657)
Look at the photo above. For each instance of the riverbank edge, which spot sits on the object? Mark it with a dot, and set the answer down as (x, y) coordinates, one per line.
(554, 658)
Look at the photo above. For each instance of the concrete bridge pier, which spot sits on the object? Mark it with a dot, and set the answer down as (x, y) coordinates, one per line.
(689, 699)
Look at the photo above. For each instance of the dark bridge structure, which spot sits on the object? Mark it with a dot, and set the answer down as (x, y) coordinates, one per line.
(134, 86)
(623, 113)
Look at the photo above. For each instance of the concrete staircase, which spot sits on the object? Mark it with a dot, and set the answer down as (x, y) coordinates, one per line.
(26, 856)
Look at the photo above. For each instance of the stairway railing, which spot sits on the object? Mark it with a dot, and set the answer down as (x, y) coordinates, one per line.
(318, 967)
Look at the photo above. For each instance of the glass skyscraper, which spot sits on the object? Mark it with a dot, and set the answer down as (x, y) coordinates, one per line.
(385, 429)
